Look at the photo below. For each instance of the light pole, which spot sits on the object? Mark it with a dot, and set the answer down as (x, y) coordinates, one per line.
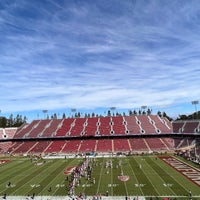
(195, 105)
(73, 110)
(113, 109)
(45, 112)
(143, 108)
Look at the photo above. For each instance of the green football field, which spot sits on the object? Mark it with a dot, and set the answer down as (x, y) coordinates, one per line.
(132, 176)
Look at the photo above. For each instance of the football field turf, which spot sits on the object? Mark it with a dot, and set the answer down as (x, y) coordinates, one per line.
(134, 176)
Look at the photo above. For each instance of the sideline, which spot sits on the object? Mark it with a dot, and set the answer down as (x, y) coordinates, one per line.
(94, 198)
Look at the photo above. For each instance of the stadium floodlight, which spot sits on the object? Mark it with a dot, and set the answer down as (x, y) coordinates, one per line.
(113, 109)
(73, 110)
(45, 112)
(195, 105)
(143, 107)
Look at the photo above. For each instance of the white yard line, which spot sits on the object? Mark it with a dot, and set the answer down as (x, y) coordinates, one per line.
(135, 177)
(150, 181)
(29, 181)
(91, 197)
(100, 176)
(159, 177)
(54, 179)
(124, 181)
(111, 176)
(177, 172)
(49, 185)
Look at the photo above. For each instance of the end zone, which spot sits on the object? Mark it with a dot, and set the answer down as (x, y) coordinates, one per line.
(188, 171)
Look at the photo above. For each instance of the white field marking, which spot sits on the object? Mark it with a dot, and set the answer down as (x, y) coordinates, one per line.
(100, 176)
(16, 167)
(30, 180)
(86, 185)
(185, 163)
(172, 176)
(11, 186)
(35, 185)
(47, 186)
(185, 169)
(140, 185)
(167, 185)
(71, 164)
(111, 175)
(113, 185)
(91, 197)
(124, 181)
(135, 176)
(51, 166)
(160, 177)
(18, 181)
(60, 185)
(149, 180)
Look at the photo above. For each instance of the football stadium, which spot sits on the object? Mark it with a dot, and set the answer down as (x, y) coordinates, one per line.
(108, 157)
(126, 76)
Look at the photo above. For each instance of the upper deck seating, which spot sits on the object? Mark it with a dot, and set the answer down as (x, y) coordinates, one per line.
(104, 126)
(78, 127)
(65, 127)
(191, 127)
(91, 126)
(22, 132)
(37, 130)
(146, 125)
(167, 122)
(162, 126)
(7, 133)
(118, 125)
(178, 126)
(132, 125)
(50, 130)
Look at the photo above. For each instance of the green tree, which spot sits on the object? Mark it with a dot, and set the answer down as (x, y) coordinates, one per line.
(3, 122)
(108, 113)
(64, 116)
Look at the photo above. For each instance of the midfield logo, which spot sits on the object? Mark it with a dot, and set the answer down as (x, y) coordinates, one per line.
(69, 170)
(124, 178)
(4, 161)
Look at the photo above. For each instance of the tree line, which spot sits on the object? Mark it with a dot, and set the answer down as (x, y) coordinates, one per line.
(12, 121)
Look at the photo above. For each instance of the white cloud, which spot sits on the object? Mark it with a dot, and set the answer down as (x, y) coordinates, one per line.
(90, 55)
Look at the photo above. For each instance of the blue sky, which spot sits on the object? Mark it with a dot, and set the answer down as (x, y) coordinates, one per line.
(95, 54)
